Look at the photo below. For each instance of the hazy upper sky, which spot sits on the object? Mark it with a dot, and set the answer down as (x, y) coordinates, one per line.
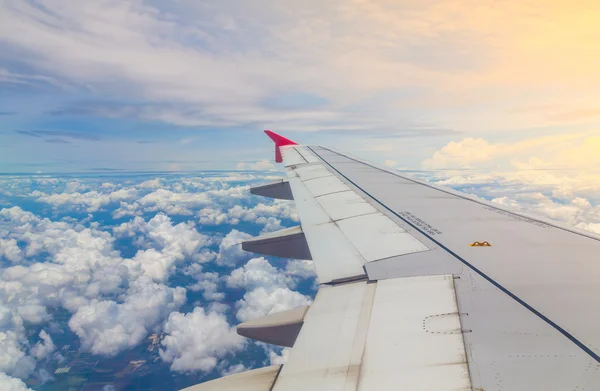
(189, 84)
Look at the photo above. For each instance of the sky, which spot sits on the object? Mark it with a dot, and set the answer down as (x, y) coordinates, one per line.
(188, 84)
(130, 132)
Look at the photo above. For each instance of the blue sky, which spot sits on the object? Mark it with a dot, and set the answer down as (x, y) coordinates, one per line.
(154, 85)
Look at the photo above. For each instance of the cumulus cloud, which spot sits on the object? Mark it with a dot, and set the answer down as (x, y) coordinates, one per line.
(212, 216)
(279, 209)
(85, 268)
(208, 283)
(172, 202)
(44, 347)
(107, 327)
(8, 383)
(269, 215)
(230, 248)
(10, 250)
(91, 201)
(155, 183)
(197, 340)
(262, 301)
(258, 272)
(179, 201)
(167, 244)
(267, 289)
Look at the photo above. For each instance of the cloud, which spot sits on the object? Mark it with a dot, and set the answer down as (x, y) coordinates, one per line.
(166, 244)
(173, 203)
(155, 183)
(107, 327)
(10, 250)
(343, 65)
(267, 289)
(44, 347)
(208, 283)
(197, 340)
(86, 268)
(567, 150)
(389, 163)
(262, 301)
(230, 248)
(280, 209)
(258, 272)
(268, 215)
(90, 201)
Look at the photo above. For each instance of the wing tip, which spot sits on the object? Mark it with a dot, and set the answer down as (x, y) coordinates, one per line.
(279, 141)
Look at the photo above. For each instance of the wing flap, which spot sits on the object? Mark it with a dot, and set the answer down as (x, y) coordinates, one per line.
(395, 334)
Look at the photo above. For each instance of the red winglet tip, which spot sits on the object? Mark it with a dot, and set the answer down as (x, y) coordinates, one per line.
(279, 141)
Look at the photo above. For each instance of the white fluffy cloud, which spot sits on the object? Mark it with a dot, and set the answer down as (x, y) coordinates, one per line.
(258, 272)
(263, 301)
(90, 202)
(8, 383)
(115, 300)
(230, 248)
(267, 290)
(208, 283)
(173, 203)
(85, 268)
(268, 215)
(166, 244)
(107, 327)
(10, 250)
(44, 347)
(197, 340)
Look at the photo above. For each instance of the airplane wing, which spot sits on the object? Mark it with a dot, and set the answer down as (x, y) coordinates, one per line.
(424, 288)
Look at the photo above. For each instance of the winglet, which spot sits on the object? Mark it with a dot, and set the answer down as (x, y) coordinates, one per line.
(279, 141)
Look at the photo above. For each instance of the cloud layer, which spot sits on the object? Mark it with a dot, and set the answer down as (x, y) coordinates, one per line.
(128, 277)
